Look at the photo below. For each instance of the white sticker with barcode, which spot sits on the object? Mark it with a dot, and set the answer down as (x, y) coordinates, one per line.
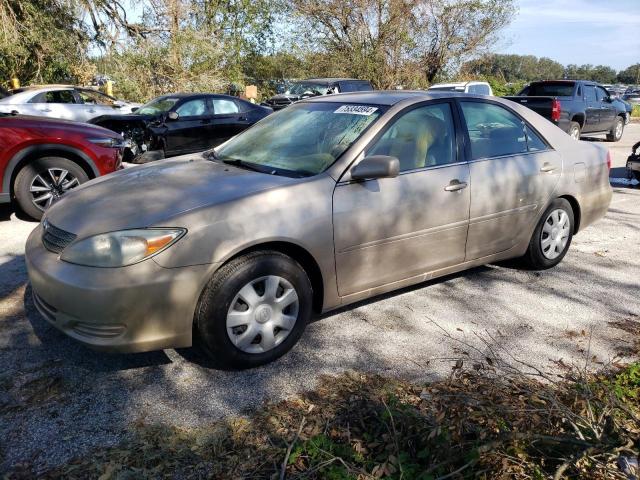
(356, 109)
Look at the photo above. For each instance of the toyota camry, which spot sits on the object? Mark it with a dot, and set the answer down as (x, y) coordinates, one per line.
(330, 201)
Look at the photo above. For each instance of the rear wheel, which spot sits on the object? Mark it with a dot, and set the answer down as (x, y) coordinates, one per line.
(43, 181)
(552, 237)
(574, 130)
(617, 131)
(254, 310)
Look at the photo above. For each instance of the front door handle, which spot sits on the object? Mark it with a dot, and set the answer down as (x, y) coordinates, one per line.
(547, 167)
(45, 110)
(455, 185)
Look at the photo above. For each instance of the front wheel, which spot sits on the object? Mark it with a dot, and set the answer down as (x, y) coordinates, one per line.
(43, 181)
(552, 236)
(254, 310)
(616, 132)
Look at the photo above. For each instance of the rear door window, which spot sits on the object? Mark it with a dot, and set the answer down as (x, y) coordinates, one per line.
(493, 130)
(54, 96)
(590, 93)
(222, 106)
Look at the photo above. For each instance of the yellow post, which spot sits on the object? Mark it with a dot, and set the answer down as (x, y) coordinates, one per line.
(15, 83)
(108, 88)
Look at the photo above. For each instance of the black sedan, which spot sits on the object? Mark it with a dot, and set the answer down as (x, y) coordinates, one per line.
(182, 123)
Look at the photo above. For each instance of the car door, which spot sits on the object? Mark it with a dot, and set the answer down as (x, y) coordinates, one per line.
(387, 230)
(56, 104)
(513, 174)
(608, 110)
(592, 110)
(228, 120)
(190, 131)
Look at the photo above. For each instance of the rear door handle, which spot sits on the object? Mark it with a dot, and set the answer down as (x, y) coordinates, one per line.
(455, 185)
(547, 167)
(45, 110)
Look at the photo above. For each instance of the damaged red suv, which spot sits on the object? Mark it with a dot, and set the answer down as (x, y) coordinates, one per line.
(42, 158)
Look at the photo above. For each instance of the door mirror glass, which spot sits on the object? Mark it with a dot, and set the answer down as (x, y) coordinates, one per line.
(376, 166)
(173, 116)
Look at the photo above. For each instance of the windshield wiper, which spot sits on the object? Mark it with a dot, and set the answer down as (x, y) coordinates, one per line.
(236, 162)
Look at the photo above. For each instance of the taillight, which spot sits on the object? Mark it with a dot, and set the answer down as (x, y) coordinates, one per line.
(609, 159)
(556, 109)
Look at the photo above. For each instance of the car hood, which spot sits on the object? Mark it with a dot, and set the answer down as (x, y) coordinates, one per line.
(154, 194)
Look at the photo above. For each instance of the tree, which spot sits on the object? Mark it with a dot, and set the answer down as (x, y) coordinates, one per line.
(40, 40)
(630, 75)
(514, 68)
(447, 33)
(401, 42)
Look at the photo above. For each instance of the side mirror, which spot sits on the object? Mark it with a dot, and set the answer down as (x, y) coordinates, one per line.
(173, 116)
(376, 166)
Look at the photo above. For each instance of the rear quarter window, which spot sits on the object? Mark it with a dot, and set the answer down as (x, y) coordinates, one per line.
(551, 89)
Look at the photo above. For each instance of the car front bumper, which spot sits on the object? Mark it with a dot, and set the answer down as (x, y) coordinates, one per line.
(137, 308)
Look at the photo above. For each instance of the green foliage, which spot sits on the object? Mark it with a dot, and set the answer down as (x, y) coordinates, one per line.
(630, 75)
(635, 112)
(626, 384)
(599, 73)
(527, 68)
(40, 40)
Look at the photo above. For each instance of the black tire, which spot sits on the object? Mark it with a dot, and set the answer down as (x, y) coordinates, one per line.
(43, 166)
(535, 258)
(574, 130)
(217, 297)
(617, 130)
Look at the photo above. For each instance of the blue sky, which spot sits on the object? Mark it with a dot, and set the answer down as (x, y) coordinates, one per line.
(602, 32)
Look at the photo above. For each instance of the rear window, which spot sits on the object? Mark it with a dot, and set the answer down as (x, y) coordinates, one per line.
(551, 89)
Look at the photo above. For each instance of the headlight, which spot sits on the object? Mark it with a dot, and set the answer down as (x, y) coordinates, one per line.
(108, 142)
(118, 249)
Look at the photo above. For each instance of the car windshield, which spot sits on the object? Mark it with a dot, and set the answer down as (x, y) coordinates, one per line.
(302, 88)
(304, 139)
(157, 105)
(550, 89)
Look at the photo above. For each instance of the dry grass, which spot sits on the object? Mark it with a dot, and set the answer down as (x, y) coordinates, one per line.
(485, 421)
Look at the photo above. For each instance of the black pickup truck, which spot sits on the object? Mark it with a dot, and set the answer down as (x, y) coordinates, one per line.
(576, 106)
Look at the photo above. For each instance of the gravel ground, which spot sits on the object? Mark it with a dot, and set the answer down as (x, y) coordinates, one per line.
(59, 399)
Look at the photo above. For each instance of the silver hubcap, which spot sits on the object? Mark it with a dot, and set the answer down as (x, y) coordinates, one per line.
(555, 234)
(47, 187)
(262, 314)
(619, 129)
(575, 134)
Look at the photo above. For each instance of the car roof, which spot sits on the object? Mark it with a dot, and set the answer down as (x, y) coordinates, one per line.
(458, 84)
(330, 80)
(386, 97)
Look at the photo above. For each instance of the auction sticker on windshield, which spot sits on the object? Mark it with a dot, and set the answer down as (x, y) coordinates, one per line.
(356, 109)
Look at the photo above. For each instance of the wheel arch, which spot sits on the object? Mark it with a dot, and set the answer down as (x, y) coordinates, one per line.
(300, 255)
(579, 118)
(575, 206)
(20, 159)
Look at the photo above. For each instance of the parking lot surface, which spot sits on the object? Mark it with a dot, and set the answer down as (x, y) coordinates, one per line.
(59, 399)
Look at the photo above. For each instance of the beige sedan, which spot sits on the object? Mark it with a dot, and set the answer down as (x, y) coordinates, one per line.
(330, 201)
